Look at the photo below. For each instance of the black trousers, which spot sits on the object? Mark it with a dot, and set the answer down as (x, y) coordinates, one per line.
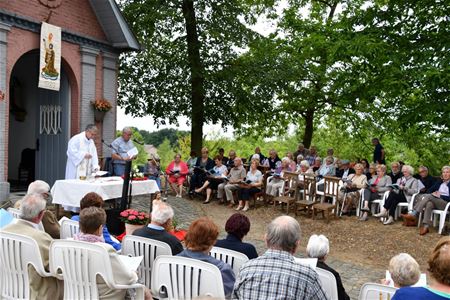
(392, 201)
(245, 194)
(197, 180)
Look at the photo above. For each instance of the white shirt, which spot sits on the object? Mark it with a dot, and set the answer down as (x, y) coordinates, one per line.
(257, 177)
(78, 147)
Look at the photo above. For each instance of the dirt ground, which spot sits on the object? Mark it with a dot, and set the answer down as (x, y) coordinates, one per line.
(367, 243)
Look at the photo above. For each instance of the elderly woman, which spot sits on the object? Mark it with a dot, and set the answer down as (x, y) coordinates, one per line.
(327, 169)
(253, 185)
(201, 237)
(437, 197)
(317, 164)
(352, 186)
(439, 270)
(273, 160)
(377, 186)
(319, 247)
(177, 171)
(404, 270)
(372, 171)
(95, 200)
(300, 158)
(276, 182)
(292, 165)
(192, 161)
(91, 221)
(237, 226)
(402, 191)
(203, 164)
(152, 169)
(214, 179)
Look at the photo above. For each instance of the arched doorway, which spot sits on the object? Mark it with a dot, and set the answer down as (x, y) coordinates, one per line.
(39, 125)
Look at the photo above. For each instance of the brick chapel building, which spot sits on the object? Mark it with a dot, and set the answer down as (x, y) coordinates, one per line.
(93, 34)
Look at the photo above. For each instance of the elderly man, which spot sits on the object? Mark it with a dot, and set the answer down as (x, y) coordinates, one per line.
(230, 161)
(345, 169)
(437, 197)
(82, 157)
(426, 181)
(301, 150)
(120, 148)
(49, 220)
(31, 212)
(235, 175)
(162, 215)
(275, 274)
(258, 153)
(395, 173)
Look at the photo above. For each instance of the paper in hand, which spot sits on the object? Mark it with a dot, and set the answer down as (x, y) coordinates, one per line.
(132, 152)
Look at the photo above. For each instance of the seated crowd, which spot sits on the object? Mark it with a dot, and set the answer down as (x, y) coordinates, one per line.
(235, 183)
(274, 274)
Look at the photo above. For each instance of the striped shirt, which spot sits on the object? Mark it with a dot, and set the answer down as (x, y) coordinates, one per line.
(275, 275)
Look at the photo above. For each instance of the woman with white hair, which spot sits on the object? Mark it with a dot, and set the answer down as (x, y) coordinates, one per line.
(402, 191)
(349, 195)
(319, 247)
(404, 270)
(276, 182)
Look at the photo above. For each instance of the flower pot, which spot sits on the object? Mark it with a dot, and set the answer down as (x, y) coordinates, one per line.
(130, 228)
(99, 115)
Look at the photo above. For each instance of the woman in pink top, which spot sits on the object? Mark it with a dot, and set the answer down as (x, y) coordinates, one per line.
(177, 171)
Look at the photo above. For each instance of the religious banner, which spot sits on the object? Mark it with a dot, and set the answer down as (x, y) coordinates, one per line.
(50, 57)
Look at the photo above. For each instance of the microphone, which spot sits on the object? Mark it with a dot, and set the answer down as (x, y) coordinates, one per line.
(138, 142)
(109, 145)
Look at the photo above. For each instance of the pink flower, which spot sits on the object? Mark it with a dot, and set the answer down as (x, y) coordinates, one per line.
(124, 214)
(133, 212)
(131, 218)
(141, 217)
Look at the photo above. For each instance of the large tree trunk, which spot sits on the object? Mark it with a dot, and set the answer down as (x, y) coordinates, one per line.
(197, 77)
(309, 127)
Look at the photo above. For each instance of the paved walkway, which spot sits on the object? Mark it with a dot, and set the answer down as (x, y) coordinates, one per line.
(353, 276)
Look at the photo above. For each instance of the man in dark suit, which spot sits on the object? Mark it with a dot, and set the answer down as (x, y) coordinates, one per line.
(162, 215)
(345, 170)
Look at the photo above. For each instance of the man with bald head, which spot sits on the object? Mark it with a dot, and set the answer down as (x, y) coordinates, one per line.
(235, 175)
(275, 274)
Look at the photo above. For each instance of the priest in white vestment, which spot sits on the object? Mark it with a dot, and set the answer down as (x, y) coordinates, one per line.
(82, 157)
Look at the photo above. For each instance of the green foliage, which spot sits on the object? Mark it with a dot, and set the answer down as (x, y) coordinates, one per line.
(166, 154)
(156, 138)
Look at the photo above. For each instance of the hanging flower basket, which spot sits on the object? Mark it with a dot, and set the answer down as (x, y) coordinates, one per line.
(99, 115)
(101, 106)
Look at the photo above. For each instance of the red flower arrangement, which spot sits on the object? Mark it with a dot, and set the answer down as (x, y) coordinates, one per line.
(131, 216)
(101, 105)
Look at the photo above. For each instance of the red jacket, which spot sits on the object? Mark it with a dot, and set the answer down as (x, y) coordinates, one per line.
(184, 170)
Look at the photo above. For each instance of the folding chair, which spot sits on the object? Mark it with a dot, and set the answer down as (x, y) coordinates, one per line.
(78, 264)
(176, 277)
(233, 258)
(17, 252)
(150, 249)
(331, 188)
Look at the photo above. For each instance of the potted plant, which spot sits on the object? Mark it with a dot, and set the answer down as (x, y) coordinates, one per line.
(133, 219)
(101, 106)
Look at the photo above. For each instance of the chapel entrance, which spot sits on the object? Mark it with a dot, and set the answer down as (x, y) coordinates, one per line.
(39, 126)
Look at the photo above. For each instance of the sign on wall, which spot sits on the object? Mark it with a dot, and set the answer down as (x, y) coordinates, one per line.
(50, 57)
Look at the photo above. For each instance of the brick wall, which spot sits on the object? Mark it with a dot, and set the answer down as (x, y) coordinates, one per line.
(75, 15)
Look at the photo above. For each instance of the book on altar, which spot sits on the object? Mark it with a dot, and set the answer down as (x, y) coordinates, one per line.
(100, 173)
(132, 152)
(132, 262)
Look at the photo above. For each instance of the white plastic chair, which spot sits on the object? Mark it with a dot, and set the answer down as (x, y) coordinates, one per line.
(68, 228)
(150, 249)
(176, 277)
(442, 215)
(375, 291)
(312, 262)
(16, 253)
(409, 205)
(78, 264)
(233, 258)
(379, 202)
(16, 214)
(328, 283)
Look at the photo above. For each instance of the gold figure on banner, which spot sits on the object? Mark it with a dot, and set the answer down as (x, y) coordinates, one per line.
(49, 71)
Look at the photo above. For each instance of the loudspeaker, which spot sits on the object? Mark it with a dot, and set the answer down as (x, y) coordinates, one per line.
(115, 225)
